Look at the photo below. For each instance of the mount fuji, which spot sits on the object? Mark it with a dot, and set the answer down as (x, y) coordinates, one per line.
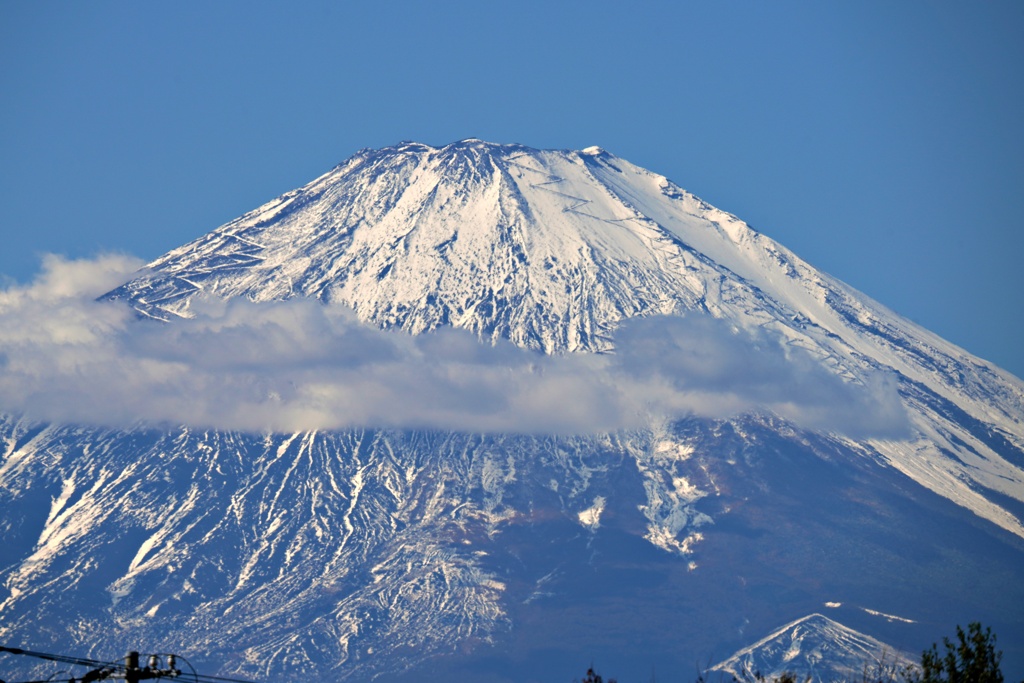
(485, 410)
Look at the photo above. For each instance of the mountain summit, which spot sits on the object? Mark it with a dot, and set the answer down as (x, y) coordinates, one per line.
(801, 443)
(548, 249)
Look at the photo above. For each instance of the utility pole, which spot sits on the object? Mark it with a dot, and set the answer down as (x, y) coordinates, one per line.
(132, 672)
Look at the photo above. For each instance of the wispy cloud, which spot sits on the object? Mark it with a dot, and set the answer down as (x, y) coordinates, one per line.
(298, 364)
(701, 365)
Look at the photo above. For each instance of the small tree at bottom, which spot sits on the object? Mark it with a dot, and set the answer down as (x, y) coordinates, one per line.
(973, 659)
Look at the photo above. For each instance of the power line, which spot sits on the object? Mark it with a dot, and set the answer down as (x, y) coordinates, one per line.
(55, 658)
(157, 666)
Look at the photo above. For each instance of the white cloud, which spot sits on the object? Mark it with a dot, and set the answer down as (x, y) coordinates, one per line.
(703, 366)
(298, 364)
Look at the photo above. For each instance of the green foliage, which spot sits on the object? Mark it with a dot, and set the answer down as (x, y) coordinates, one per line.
(973, 659)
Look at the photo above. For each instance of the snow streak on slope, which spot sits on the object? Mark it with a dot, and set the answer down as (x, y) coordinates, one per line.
(553, 249)
(816, 649)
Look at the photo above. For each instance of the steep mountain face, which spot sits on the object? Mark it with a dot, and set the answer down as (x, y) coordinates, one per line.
(816, 648)
(426, 555)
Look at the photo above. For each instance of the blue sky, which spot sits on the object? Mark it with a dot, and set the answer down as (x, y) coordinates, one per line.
(880, 141)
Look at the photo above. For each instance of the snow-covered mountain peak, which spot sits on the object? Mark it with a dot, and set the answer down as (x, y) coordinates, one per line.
(815, 648)
(546, 248)
(550, 249)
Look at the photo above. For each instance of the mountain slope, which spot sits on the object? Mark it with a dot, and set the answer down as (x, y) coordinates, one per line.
(417, 554)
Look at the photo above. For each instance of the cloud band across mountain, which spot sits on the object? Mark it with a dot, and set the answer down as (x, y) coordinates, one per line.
(299, 365)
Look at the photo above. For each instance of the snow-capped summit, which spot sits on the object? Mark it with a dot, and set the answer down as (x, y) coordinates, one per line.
(547, 248)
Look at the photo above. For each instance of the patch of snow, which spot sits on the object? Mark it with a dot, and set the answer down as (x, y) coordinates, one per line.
(591, 517)
(888, 617)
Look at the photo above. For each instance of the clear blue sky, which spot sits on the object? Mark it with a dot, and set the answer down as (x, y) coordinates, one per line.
(881, 141)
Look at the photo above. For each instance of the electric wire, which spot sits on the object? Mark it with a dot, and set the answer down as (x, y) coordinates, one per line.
(109, 669)
(64, 659)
